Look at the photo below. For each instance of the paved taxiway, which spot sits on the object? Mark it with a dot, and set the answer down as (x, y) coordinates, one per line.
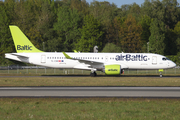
(90, 92)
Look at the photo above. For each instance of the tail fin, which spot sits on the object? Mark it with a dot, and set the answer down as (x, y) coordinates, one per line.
(22, 43)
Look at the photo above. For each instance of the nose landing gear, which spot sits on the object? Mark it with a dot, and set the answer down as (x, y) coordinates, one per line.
(160, 75)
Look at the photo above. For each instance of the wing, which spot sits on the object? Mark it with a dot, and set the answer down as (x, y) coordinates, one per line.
(83, 61)
(86, 64)
(94, 64)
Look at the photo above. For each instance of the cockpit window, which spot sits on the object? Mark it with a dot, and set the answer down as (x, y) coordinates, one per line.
(167, 59)
(164, 59)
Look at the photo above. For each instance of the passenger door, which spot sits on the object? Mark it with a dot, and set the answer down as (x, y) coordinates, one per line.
(43, 58)
(154, 60)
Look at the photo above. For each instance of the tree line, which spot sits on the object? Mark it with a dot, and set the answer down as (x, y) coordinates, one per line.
(67, 25)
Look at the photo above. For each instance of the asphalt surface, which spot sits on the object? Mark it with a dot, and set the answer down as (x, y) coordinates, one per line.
(146, 92)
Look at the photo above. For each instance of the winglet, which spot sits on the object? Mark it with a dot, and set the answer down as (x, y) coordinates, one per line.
(75, 51)
(67, 56)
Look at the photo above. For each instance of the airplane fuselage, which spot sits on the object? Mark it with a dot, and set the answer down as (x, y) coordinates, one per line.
(126, 60)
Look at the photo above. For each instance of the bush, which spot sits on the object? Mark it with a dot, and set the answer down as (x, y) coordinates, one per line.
(112, 48)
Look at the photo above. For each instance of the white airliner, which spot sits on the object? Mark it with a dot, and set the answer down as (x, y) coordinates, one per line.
(110, 63)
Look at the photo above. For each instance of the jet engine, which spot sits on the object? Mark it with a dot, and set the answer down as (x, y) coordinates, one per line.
(112, 69)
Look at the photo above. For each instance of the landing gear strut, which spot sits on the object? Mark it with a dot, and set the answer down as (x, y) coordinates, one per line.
(160, 74)
(93, 74)
(160, 70)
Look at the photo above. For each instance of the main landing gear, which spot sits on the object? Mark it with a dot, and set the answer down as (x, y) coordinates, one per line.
(93, 74)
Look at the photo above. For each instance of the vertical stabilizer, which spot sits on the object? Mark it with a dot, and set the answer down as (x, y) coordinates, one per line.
(22, 43)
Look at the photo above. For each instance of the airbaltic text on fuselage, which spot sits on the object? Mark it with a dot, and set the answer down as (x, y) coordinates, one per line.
(129, 57)
(25, 47)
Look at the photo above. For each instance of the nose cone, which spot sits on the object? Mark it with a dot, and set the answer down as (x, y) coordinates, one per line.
(172, 64)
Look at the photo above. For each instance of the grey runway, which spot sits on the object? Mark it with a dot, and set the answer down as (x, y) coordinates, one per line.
(159, 92)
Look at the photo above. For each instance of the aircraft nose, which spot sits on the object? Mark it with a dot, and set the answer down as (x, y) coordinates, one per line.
(173, 64)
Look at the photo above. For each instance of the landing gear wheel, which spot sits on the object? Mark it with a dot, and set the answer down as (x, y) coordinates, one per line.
(93, 74)
(161, 75)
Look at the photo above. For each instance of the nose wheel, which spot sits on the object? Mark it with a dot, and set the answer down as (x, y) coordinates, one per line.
(160, 75)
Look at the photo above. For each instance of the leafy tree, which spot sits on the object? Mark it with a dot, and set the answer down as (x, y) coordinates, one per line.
(134, 9)
(6, 42)
(26, 17)
(80, 5)
(130, 35)
(177, 36)
(91, 34)
(157, 38)
(68, 23)
(145, 22)
(112, 33)
(170, 42)
(105, 13)
(45, 23)
(153, 9)
(171, 12)
(124, 10)
(112, 48)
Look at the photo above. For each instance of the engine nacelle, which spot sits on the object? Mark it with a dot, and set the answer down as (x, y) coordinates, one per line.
(112, 69)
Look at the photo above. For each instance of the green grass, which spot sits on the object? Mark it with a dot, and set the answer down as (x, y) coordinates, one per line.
(89, 108)
(88, 81)
(82, 72)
